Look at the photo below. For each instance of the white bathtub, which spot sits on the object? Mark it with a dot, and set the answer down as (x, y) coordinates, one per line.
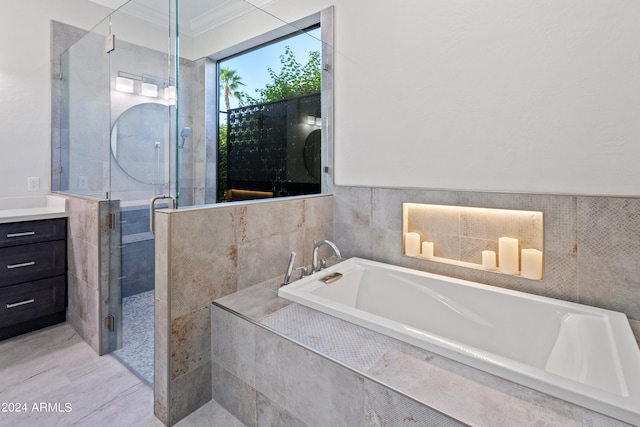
(578, 353)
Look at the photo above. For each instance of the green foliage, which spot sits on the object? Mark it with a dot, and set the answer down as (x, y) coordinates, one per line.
(222, 163)
(230, 82)
(293, 80)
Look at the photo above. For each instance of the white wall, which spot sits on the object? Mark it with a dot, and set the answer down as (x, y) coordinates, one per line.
(540, 96)
(25, 87)
(534, 96)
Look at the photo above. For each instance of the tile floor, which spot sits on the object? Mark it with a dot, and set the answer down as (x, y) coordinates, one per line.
(137, 335)
(57, 379)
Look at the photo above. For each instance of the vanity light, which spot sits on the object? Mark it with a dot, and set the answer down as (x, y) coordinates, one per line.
(170, 92)
(311, 120)
(124, 84)
(318, 121)
(149, 89)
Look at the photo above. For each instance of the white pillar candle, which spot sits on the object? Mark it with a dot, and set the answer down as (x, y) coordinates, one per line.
(508, 259)
(532, 264)
(427, 249)
(489, 260)
(412, 244)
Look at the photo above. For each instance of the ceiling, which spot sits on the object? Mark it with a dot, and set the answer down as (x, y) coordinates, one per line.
(196, 16)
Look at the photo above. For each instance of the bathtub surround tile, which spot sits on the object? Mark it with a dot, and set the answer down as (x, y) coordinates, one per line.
(233, 344)
(469, 400)
(256, 302)
(351, 344)
(609, 248)
(402, 384)
(334, 396)
(191, 390)
(385, 408)
(380, 238)
(210, 414)
(233, 394)
(270, 414)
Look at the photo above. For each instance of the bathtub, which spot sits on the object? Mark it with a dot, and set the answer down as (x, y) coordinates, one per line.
(582, 354)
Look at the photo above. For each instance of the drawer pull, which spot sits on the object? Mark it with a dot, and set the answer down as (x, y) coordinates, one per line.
(26, 233)
(24, 264)
(18, 304)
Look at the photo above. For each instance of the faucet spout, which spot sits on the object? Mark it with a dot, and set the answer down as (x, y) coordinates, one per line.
(316, 246)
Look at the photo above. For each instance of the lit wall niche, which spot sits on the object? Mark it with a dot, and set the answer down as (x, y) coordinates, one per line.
(500, 240)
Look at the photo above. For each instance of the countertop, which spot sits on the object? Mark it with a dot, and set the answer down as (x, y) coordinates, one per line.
(16, 209)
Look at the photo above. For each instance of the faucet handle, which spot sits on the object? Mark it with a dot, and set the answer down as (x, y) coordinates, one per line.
(303, 271)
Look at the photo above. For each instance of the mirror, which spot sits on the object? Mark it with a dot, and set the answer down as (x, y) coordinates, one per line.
(140, 142)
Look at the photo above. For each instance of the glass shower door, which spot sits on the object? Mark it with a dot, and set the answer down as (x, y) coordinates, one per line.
(143, 154)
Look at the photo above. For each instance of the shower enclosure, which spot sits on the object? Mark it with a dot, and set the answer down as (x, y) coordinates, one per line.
(139, 121)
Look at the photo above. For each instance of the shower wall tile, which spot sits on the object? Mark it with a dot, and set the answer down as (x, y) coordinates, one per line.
(84, 269)
(205, 253)
(190, 342)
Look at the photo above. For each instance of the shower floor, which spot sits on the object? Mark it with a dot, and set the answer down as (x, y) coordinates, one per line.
(137, 335)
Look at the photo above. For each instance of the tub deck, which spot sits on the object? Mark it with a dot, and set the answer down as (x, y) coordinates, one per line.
(581, 354)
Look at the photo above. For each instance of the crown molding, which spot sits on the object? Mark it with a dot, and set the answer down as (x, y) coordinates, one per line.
(224, 12)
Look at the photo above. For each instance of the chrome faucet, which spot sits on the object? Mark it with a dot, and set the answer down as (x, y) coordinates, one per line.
(316, 246)
(287, 276)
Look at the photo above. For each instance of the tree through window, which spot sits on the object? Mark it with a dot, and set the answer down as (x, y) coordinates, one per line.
(270, 121)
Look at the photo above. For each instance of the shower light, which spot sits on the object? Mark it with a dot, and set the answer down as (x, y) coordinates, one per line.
(124, 84)
(170, 92)
(149, 89)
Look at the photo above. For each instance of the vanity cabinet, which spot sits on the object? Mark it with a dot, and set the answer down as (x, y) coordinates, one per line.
(33, 275)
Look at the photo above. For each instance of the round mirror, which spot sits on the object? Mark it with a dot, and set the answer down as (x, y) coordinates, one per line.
(311, 153)
(140, 142)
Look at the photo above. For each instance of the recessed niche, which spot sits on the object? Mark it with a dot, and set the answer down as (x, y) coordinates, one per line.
(500, 240)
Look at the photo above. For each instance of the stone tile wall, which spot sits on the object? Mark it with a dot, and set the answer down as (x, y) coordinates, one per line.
(205, 253)
(87, 268)
(264, 379)
(591, 244)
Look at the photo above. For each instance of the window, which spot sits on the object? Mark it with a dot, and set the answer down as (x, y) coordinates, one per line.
(270, 119)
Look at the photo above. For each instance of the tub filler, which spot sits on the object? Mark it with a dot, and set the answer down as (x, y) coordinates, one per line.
(582, 354)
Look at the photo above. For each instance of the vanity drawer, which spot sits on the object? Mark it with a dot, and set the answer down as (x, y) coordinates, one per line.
(26, 301)
(25, 232)
(26, 263)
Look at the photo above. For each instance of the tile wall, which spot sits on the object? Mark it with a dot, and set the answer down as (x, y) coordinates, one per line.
(591, 244)
(205, 253)
(87, 267)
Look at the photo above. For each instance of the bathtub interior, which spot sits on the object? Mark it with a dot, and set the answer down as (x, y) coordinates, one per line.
(565, 349)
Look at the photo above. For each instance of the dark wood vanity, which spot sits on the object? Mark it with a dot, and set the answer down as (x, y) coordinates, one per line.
(33, 275)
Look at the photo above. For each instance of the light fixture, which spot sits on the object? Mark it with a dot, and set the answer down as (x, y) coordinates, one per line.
(149, 89)
(124, 84)
(318, 121)
(311, 120)
(170, 92)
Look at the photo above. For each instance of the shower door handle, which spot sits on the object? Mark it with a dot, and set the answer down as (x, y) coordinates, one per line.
(152, 211)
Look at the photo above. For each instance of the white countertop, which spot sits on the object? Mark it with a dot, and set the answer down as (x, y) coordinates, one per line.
(15, 209)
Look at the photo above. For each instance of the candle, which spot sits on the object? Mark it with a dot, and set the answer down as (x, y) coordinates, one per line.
(508, 259)
(489, 260)
(427, 249)
(532, 264)
(412, 244)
